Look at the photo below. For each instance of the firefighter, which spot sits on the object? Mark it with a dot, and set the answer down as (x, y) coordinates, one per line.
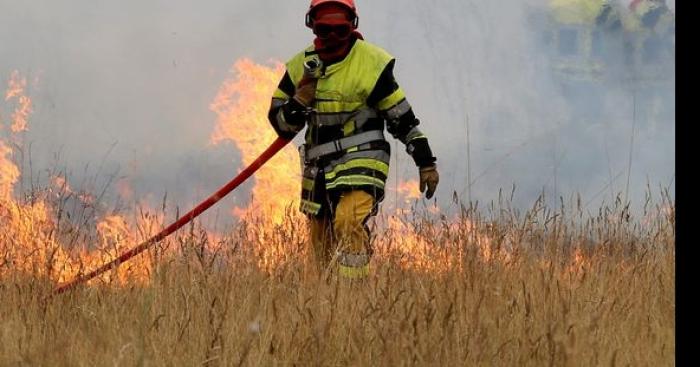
(654, 22)
(650, 37)
(579, 40)
(652, 15)
(342, 88)
(583, 38)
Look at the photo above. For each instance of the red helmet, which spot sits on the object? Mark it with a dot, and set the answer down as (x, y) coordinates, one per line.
(350, 4)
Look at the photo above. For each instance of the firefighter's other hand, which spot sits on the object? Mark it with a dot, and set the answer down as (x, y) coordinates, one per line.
(429, 178)
(306, 92)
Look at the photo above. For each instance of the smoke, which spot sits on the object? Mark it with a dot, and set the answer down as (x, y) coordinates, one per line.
(124, 88)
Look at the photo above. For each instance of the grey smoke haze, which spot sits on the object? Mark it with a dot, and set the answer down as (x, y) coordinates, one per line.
(126, 85)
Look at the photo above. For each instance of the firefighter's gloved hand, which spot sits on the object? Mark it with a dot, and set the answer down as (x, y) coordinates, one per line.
(429, 178)
(306, 92)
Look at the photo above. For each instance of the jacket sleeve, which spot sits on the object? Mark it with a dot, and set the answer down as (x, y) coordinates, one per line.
(286, 115)
(401, 122)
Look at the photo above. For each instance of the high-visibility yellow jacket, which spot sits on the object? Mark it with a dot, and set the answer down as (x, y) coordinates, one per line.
(353, 96)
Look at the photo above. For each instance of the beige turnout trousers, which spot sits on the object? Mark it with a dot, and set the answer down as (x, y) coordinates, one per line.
(344, 239)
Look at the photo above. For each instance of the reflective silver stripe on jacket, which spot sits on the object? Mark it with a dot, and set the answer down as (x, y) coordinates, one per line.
(343, 144)
(398, 110)
(332, 119)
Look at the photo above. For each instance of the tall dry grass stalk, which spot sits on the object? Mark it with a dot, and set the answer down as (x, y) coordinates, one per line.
(493, 287)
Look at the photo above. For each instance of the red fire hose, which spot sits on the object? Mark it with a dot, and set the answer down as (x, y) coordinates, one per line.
(275, 147)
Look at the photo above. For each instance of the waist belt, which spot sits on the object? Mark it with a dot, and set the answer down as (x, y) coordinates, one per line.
(342, 144)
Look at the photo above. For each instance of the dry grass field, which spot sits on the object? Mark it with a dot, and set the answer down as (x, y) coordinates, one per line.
(490, 287)
(555, 285)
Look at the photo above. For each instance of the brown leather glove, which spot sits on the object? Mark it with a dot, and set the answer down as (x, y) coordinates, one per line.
(306, 92)
(429, 177)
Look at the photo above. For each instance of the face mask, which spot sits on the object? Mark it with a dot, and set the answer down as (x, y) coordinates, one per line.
(333, 32)
(332, 49)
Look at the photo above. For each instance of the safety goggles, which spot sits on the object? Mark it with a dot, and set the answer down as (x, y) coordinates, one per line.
(341, 31)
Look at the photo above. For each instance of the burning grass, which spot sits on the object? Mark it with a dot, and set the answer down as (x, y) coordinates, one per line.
(492, 286)
(486, 287)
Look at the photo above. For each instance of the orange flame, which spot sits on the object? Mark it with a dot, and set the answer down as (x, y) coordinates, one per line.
(9, 173)
(29, 242)
(16, 90)
(241, 105)
(409, 189)
(15, 87)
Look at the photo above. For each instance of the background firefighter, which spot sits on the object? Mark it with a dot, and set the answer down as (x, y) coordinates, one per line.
(345, 103)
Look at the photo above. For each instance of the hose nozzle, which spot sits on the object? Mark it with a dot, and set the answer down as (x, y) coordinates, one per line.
(313, 67)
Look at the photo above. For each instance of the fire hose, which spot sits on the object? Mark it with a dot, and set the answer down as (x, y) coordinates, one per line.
(275, 147)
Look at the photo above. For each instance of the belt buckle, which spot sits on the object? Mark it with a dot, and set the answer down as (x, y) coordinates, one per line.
(337, 145)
